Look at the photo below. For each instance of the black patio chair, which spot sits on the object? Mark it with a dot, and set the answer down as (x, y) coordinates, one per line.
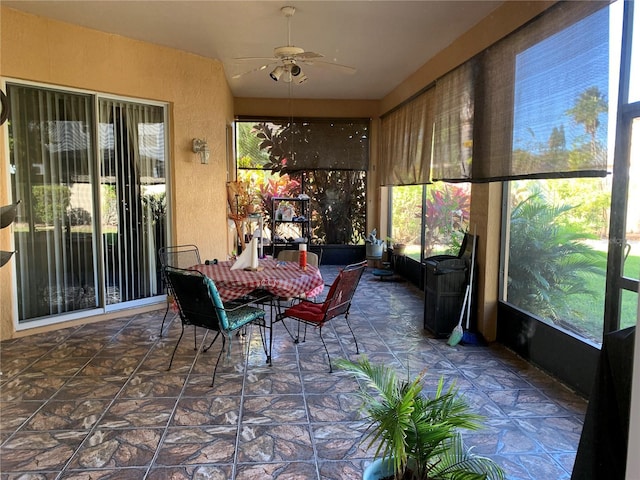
(179, 256)
(199, 304)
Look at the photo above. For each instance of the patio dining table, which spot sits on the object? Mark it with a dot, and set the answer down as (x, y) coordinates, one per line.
(277, 278)
(280, 279)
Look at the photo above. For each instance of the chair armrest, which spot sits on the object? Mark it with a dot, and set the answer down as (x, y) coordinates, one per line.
(306, 299)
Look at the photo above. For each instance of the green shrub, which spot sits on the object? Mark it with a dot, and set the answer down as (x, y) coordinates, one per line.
(50, 203)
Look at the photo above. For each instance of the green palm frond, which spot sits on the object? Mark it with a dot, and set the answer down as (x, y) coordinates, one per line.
(457, 462)
(548, 259)
(407, 427)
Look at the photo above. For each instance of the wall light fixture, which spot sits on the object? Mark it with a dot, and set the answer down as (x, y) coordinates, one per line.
(201, 147)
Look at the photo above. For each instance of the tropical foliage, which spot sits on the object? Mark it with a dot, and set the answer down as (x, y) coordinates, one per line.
(548, 258)
(446, 216)
(419, 434)
(337, 196)
(447, 211)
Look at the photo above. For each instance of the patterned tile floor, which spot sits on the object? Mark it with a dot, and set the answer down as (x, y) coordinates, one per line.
(97, 401)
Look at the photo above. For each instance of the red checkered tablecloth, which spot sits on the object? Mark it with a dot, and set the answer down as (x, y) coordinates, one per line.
(283, 279)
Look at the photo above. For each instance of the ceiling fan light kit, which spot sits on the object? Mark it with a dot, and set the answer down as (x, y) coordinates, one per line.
(288, 57)
(277, 73)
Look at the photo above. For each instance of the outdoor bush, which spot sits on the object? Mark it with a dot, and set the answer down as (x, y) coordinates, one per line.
(548, 259)
(50, 203)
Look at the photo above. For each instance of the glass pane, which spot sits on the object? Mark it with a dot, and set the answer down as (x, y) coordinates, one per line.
(565, 101)
(557, 255)
(447, 210)
(326, 166)
(51, 157)
(133, 197)
(406, 220)
(338, 205)
(634, 80)
(628, 309)
(631, 266)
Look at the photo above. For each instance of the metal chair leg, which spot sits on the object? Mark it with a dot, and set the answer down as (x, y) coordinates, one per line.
(212, 342)
(215, 369)
(195, 340)
(176, 348)
(346, 317)
(326, 350)
(266, 346)
(166, 312)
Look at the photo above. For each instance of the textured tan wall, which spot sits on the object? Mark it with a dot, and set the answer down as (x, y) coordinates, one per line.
(42, 50)
(301, 107)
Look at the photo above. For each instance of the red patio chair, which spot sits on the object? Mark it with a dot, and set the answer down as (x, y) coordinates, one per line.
(337, 302)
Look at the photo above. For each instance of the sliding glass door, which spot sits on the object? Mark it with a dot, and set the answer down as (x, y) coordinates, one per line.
(92, 194)
(133, 197)
(52, 156)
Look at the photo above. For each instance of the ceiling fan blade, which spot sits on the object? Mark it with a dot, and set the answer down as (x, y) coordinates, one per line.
(242, 59)
(304, 56)
(258, 69)
(335, 66)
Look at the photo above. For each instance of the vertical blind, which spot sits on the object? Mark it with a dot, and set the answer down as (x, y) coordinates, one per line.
(52, 155)
(132, 164)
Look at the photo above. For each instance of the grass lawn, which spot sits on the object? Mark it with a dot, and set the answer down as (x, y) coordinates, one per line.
(591, 308)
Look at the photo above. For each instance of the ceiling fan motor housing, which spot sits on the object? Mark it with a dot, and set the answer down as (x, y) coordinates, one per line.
(288, 56)
(288, 51)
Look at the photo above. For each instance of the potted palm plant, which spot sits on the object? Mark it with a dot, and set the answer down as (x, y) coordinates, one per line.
(417, 437)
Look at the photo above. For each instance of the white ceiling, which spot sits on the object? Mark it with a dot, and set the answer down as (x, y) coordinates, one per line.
(386, 41)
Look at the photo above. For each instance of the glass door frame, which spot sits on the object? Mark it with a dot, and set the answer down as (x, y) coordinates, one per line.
(616, 281)
(98, 241)
(114, 307)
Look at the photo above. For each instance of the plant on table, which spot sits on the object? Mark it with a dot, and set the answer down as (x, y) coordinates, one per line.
(417, 434)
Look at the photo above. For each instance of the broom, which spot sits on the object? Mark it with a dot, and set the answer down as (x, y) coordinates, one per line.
(467, 336)
(458, 333)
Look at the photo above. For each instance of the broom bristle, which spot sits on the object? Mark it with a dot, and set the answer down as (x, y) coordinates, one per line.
(455, 336)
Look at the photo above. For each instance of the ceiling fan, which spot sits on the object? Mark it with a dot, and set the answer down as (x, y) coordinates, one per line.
(287, 59)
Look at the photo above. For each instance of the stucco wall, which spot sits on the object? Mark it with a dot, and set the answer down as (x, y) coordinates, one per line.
(41, 50)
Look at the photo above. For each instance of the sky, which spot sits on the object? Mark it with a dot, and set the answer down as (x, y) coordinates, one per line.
(552, 74)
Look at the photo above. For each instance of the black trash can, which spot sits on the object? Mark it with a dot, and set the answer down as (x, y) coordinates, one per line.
(444, 286)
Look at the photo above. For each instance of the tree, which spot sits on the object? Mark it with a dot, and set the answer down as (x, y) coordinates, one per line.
(317, 155)
(557, 140)
(586, 111)
(248, 144)
(547, 259)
